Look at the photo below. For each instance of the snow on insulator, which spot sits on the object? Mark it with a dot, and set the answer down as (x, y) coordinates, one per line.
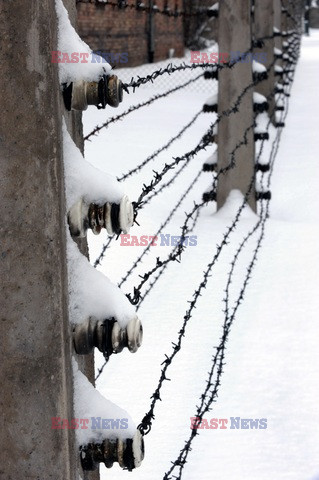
(286, 56)
(94, 199)
(260, 103)
(80, 94)
(107, 336)
(213, 10)
(112, 435)
(277, 32)
(260, 130)
(210, 164)
(92, 294)
(211, 104)
(279, 88)
(259, 71)
(262, 164)
(278, 53)
(115, 218)
(279, 71)
(278, 121)
(140, 6)
(261, 193)
(285, 44)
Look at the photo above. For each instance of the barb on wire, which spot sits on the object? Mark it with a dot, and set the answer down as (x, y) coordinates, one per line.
(133, 108)
(177, 251)
(160, 150)
(166, 11)
(211, 391)
(162, 226)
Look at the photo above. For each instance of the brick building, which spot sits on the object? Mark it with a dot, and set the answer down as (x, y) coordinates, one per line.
(140, 36)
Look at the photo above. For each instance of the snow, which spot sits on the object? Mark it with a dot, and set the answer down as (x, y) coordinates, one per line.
(69, 42)
(91, 293)
(212, 159)
(259, 98)
(212, 100)
(88, 403)
(83, 180)
(258, 67)
(272, 357)
(262, 121)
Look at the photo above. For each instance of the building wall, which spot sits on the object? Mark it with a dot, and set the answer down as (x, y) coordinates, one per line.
(116, 31)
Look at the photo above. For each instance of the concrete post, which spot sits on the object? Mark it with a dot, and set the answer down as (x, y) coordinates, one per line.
(235, 35)
(277, 24)
(264, 25)
(36, 375)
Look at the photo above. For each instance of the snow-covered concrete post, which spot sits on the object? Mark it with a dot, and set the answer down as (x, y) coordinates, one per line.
(36, 374)
(235, 35)
(264, 27)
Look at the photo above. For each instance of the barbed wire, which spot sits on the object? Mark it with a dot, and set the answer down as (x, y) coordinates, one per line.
(204, 142)
(148, 102)
(141, 7)
(146, 423)
(163, 225)
(176, 252)
(151, 157)
(210, 393)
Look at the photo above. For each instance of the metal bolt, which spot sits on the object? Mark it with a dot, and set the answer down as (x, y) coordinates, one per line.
(107, 336)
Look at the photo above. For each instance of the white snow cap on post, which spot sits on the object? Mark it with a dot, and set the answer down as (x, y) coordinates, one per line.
(88, 404)
(70, 43)
(82, 180)
(258, 67)
(92, 294)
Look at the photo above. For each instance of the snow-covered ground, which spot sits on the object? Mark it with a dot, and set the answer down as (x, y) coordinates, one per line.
(272, 358)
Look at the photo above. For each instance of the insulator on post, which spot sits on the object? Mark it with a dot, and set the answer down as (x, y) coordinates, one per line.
(80, 94)
(211, 104)
(276, 32)
(128, 453)
(260, 103)
(259, 72)
(261, 136)
(211, 74)
(121, 4)
(278, 53)
(115, 218)
(263, 195)
(140, 5)
(210, 164)
(209, 196)
(262, 167)
(212, 12)
(107, 336)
